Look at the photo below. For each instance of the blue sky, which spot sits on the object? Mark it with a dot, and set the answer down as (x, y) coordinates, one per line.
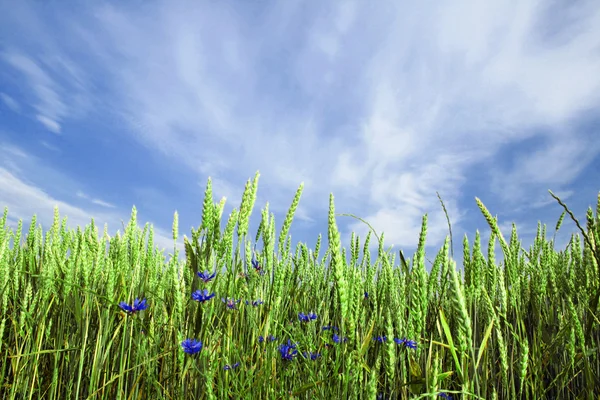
(106, 105)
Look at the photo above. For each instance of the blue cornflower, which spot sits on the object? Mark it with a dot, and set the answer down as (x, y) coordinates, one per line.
(257, 267)
(337, 339)
(366, 295)
(270, 338)
(137, 306)
(411, 344)
(328, 327)
(255, 303)
(206, 276)
(288, 351)
(228, 367)
(191, 346)
(313, 356)
(306, 318)
(380, 339)
(202, 295)
(230, 303)
(445, 396)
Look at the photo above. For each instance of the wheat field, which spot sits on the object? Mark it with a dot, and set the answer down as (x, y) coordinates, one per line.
(88, 316)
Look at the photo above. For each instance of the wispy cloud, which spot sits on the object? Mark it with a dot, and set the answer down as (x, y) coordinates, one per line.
(49, 105)
(11, 103)
(545, 200)
(8, 148)
(384, 105)
(49, 146)
(49, 123)
(94, 201)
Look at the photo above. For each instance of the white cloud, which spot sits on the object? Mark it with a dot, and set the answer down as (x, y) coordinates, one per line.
(49, 104)
(547, 200)
(11, 103)
(483, 83)
(103, 203)
(99, 202)
(13, 150)
(49, 146)
(50, 124)
(549, 167)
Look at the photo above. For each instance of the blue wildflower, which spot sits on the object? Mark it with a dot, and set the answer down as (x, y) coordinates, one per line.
(137, 306)
(380, 339)
(255, 303)
(445, 396)
(270, 338)
(202, 295)
(288, 351)
(313, 356)
(257, 267)
(306, 318)
(411, 344)
(337, 339)
(228, 367)
(230, 303)
(366, 295)
(206, 276)
(191, 346)
(328, 327)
